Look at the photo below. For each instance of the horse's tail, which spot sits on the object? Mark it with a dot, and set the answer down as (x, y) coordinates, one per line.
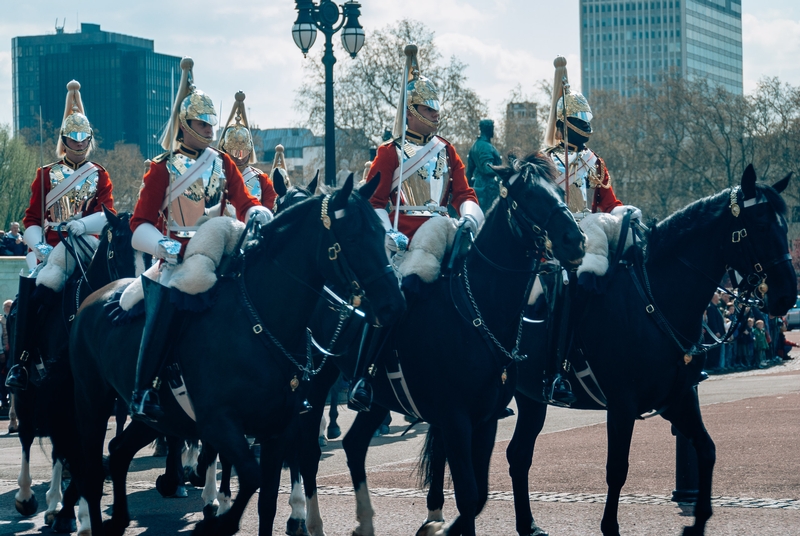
(431, 457)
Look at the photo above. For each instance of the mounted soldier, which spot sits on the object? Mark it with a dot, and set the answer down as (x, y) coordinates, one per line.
(584, 177)
(237, 142)
(67, 197)
(432, 178)
(190, 180)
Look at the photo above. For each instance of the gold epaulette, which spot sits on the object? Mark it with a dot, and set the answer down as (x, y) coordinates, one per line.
(160, 158)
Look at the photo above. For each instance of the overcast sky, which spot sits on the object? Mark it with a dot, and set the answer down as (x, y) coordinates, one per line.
(247, 45)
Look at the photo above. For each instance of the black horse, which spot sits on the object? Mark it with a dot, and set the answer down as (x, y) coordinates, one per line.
(456, 346)
(45, 409)
(640, 338)
(232, 356)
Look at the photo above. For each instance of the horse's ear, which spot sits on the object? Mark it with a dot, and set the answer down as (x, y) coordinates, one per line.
(111, 218)
(278, 183)
(341, 197)
(319, 188)
(781, 185)
(749, 182)
(370, 186)
(312, 186)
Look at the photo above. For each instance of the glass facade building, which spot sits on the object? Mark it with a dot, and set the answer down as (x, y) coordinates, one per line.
(126, 87)
(622, 42)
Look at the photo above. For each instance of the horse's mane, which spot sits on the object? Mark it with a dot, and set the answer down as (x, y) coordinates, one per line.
(667, 236)
(541, 164)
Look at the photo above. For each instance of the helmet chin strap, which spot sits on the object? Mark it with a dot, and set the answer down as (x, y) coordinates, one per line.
(193, 133)
(425, 121)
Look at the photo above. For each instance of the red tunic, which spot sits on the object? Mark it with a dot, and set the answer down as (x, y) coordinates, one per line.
(604, 199)
(103, 196)
(386, 161)
(156, 185)
(268, 193)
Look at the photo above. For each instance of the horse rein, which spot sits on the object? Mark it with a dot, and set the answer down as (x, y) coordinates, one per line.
(755, 283)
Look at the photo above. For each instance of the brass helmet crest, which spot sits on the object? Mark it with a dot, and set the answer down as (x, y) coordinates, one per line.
(419, 90)
(577, 107)
(236, 139)
(75, 125)
(190, 104)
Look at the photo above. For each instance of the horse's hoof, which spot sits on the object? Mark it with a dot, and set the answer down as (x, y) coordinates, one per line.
(210, 527)
(210, 510)
(165, 487)
(296, 527)
(115, 527)
(50, 517)
(431, 528)
(536, 530)
(63, 525)
(180, 493)
(27, 508)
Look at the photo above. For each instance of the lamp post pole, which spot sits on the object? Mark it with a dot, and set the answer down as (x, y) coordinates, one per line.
(329, 19)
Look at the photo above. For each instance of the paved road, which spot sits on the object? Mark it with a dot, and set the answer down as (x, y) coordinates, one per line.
(752, 417)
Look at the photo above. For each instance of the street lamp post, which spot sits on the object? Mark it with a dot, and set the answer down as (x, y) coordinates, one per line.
(329, 18)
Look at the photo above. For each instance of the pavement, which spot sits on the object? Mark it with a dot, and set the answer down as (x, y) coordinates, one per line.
(752, 417)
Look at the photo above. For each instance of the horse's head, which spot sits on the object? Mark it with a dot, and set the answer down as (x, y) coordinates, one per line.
(115, 257)
(356, 258)
(759, 248)
(536, 211)
(293, 195)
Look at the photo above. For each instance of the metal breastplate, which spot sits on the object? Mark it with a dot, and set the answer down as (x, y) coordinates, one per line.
(582, 176)
(427, 186)
(74, 201)
(252, 182)
(191, 205)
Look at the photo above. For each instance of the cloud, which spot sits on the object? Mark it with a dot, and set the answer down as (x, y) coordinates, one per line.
(771, 44)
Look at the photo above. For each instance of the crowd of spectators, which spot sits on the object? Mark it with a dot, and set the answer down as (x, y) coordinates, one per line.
(758, 342)
(11, 244)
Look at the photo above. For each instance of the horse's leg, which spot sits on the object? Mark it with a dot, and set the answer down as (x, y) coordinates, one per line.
(224, 494)
(530, 420)
(122, 449)
(458, 436)
(64, 520)
(171, 483)
(685, 415)
(272, 455)
(190, 459)
(483, 437)
(120, 416)
(437, 460)
(208, 459)
(355, 443)
(54, 495)
(296, 525)
(309, 451)
(25, 500)
(620, 429)
(233, 446)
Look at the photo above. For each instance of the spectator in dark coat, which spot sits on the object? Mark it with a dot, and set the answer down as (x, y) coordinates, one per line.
(12, 242)
(716, 325)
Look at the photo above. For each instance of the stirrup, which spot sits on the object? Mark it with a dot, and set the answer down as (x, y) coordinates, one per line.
(559, 392)
(17, 378)
(145, 406)
(359, 398)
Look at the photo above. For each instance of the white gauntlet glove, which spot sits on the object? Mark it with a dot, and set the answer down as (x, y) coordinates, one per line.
(261, 215)
(636, 214)
(396, 241)
(33, 239)
(91, 224)
(168, 250)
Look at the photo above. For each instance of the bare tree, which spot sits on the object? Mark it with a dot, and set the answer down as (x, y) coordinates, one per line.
(367, 89)
(126, 167)
(18, 163)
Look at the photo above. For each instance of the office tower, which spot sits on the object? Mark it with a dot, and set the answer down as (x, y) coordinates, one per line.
(126, 86)
(622, 42)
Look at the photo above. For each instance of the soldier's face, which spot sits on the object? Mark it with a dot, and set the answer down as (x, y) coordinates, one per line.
(75, 149)
(418, 126)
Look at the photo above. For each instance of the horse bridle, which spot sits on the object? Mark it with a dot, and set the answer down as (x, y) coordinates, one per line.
(741, 247)
(755, 280)
(332, 253)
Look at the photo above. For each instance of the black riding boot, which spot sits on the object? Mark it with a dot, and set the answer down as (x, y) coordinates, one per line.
(25, 317)
(159, 314)
(359, 395)
(557, 389)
